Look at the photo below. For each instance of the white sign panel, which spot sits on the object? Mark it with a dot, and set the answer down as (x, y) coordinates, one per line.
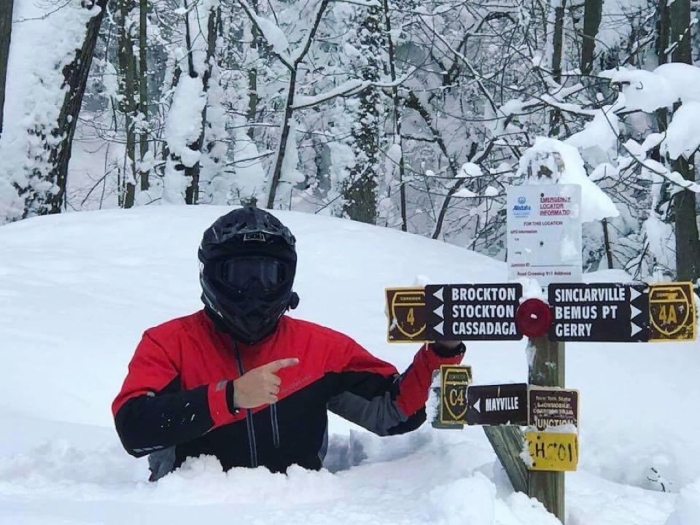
(544, 233)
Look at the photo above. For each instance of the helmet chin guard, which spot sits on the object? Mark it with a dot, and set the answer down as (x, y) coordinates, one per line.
(247, 269)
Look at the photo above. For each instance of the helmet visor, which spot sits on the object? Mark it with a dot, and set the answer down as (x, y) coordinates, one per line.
(267, 273)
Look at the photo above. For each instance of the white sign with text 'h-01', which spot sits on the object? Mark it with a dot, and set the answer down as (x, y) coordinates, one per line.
(544, 233)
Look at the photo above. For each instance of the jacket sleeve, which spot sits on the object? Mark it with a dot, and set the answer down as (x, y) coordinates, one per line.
(372, 394)
(151, 412)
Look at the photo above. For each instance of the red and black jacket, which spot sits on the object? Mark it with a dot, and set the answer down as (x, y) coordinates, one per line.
(177, 399)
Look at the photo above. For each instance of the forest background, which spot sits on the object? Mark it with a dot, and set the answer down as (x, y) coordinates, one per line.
(406, 114)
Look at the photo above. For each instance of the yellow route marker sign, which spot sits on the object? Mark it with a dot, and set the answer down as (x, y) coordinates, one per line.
(405, 308)
(671, 312)
(552, 451)
(454, 381)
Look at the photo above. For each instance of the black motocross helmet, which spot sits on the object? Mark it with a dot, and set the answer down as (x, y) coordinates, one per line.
(247, 265)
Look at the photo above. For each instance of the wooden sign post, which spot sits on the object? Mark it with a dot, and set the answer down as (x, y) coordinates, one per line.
(547, 369)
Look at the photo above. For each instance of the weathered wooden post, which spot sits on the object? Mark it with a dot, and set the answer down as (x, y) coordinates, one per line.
(507, 443)
(547, 369)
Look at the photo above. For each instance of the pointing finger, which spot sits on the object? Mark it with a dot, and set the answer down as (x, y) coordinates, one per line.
(282, 363)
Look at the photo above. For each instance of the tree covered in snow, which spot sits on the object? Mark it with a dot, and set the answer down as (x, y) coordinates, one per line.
(361, 183)
(409, 114)
(42, 106)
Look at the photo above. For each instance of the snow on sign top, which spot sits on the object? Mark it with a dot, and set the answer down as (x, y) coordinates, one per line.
(551, 161)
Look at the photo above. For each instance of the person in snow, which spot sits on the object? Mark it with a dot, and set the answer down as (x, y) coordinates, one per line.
(244, 382)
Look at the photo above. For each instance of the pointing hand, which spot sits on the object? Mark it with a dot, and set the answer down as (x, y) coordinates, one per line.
(261, 385)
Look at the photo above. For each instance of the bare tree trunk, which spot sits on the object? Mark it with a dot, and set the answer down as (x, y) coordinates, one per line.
(256, 46)
(663, 40)
(75, 77)
(684, 202)
(557, 54)
(606, 241)
(143, 90)
(284, 137)
(6, 7)
(663, 32)
(127, 66)
(679, 14)
(591, 23)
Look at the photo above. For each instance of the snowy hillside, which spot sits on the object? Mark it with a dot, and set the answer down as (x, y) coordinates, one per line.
(77, 291)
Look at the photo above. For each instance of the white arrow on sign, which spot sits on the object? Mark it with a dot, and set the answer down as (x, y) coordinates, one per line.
(635, 329)
(438, 294)
(476, 405)
(635, 311)
(439, 328)
(635, 293)
(439, 310)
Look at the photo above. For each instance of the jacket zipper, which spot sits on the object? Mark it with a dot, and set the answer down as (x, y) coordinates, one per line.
(275, 425)
(249, 416)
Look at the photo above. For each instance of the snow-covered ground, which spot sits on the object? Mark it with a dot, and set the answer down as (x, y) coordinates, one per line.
(77, 290)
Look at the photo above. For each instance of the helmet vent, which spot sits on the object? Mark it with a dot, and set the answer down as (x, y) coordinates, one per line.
(254, 237)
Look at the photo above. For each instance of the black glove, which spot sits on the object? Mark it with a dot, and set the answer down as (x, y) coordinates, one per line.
(448, 348)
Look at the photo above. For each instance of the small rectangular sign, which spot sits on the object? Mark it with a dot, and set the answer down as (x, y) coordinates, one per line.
(544, 233)
(461, 312)
(405, 309)
(454, 380)
(672, 312)
(497, 404)
(552, 451)
(552, 407)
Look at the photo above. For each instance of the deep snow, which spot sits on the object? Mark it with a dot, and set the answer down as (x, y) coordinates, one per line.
(77, 291)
